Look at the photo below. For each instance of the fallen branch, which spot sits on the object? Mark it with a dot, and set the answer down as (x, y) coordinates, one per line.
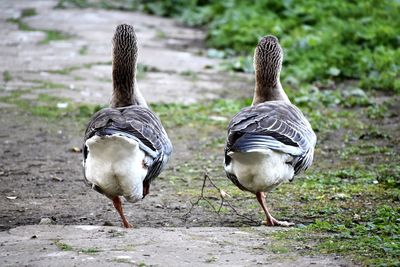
(223, 201)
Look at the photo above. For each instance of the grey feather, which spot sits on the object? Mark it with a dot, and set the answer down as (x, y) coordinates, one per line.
(138, 123)
(276, 125)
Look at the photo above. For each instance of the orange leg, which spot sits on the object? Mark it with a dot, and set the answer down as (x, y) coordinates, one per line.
(270, 221)
(118, 206)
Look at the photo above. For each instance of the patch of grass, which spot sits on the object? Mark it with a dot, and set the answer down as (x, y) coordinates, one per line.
(62, 246)
(28, 12)
(7, 76)
(51, 35)
(21, 25)
(68, 70)
(83, 50)
(46, 106)
(161, 34)
(54, 35)
(375, 241)
(199, 114)
(104, 4)
(122, 260)
(352, 211)
(65, 71)
(211, 259)
(192, 75)
(93, 250)
(279, 248)
(43, 84)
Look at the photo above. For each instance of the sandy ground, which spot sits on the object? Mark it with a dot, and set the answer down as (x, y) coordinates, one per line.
(48, 216)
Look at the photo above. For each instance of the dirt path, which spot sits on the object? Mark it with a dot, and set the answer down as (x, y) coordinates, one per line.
(41, 176)
(170, 63)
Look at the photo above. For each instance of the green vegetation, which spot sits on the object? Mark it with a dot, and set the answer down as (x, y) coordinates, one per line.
(83, 50)
(28, 12)
(355, 215)
(211, 259)
(323, 40)
(65, 247)
(7, 76)
(48, 106)
(62, 246)
(51, 35)
(54, 35)
(90, 250)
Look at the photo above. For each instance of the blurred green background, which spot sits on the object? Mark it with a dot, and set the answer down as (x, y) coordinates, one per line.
(323, 41)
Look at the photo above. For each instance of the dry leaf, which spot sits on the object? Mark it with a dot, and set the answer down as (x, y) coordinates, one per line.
(75, 149)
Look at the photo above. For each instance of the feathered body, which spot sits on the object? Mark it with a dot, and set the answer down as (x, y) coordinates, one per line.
(125, 149)
(268, 144)
(271, 141)
(125, 146)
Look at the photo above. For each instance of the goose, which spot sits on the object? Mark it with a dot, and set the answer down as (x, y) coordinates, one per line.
(125, 146)
(271, 141)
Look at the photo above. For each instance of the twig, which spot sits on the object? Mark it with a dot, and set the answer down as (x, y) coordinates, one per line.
(222, 195)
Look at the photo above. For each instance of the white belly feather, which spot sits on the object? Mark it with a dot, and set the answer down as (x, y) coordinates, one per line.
(115, 164)
(260, 170)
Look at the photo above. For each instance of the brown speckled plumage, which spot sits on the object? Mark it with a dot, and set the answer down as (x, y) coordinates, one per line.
(125, 51)
(268, 58)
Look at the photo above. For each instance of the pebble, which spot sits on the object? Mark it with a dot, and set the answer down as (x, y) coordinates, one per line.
(46, 221)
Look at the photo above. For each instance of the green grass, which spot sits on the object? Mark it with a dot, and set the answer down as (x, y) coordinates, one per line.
(65, 247)
(62, 246)
(7, 76)
(21, 25)
(323, 40)
(372, 240)
(70, 69)
(93, 250)
(83, 50)
(354, 210)
(28, 12)
(51, 35)
(54, 35)
(46, 106)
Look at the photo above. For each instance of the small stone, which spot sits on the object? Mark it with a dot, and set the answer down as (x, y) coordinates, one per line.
(46, 221)
(108, 223)
(62, 105)
(58, 179)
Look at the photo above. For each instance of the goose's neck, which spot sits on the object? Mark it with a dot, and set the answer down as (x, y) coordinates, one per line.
(125, 50)
(268, 89)
(125, 89)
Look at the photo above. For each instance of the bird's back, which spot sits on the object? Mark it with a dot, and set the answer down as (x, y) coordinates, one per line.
(272, 141)
(123, 149)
